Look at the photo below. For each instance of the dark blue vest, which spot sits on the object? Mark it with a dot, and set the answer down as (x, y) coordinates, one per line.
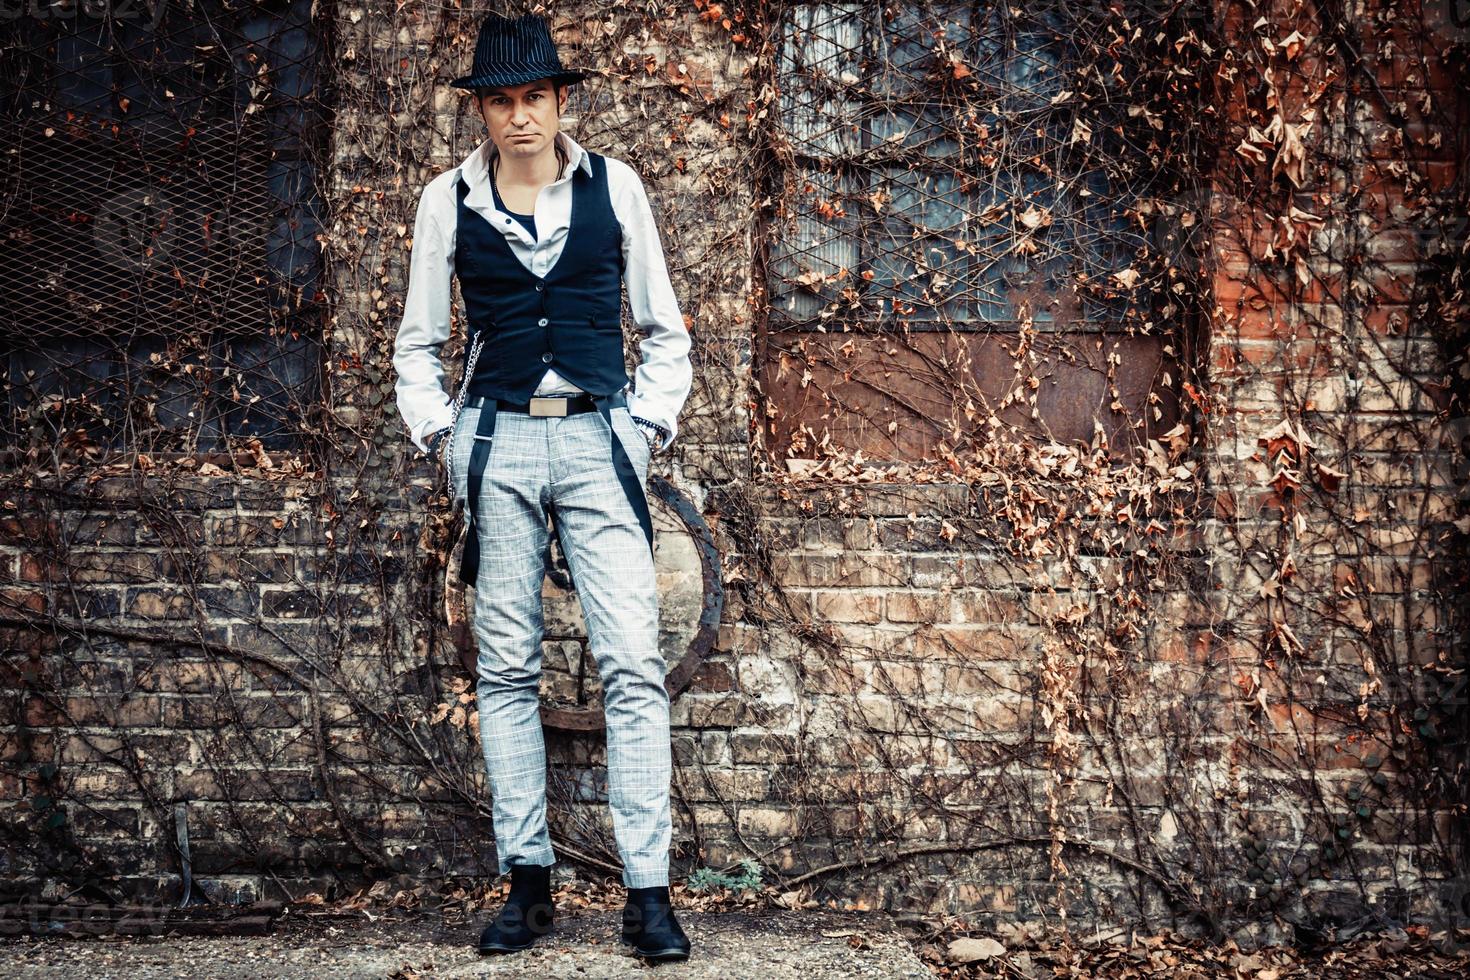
(570, 319)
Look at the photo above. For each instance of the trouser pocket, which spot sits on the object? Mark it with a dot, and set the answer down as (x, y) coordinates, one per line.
(636, 443)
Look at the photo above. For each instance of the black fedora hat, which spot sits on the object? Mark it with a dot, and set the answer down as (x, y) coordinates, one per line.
(513, 51)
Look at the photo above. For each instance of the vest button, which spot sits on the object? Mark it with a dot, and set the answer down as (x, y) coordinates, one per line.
(546, 358)
(539, 287)
(541, 322)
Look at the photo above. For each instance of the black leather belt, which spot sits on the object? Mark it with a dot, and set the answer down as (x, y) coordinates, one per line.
(469, 568)
(543, 405)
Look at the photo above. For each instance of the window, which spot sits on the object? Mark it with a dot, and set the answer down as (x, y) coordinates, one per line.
(966, 199)
(159, 269)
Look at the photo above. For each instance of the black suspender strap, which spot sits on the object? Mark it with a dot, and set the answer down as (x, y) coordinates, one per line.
(469, 567)
(623, 466)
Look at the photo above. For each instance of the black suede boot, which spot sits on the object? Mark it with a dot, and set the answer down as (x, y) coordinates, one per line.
(526, 914)
(650, 927)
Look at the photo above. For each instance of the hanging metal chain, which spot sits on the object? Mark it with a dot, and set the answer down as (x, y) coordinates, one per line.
(446, 451)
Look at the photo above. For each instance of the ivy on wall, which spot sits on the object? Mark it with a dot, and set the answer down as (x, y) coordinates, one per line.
(1199, 671)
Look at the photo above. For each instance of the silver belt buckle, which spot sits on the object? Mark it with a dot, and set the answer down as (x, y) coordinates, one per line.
(548, 406)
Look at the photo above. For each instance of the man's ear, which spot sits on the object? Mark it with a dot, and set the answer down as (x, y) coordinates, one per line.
(562, 93)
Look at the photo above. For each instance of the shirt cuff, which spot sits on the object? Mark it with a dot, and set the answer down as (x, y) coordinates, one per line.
(421, 439)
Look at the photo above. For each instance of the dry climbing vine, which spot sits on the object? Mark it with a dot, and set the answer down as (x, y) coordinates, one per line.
(1193, 664)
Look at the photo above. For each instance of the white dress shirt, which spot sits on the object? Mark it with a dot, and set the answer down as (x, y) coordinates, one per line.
(663, 379)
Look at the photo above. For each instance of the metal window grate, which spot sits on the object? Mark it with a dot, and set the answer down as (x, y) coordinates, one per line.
(159, 265)
(947, 167)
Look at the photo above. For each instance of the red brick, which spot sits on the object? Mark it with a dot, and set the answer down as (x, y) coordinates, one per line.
(846, 606)
(917, 607)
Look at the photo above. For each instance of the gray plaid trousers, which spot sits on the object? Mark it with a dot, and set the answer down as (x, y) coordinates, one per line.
(565, 462)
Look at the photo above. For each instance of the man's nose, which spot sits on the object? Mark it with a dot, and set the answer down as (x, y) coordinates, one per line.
(521, 116)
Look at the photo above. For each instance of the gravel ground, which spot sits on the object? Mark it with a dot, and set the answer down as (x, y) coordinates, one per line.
(807, 945)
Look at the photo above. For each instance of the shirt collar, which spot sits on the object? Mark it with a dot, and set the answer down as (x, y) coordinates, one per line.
(475, 168)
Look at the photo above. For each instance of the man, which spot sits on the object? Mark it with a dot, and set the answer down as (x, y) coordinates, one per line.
(543, 235)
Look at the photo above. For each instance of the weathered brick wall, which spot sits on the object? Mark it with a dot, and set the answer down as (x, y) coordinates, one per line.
(1336, 466)
(902, 679)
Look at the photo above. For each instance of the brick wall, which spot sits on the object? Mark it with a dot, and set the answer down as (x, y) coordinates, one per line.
(1174, 712)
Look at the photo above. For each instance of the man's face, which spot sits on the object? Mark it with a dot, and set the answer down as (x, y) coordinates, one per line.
(523, 119)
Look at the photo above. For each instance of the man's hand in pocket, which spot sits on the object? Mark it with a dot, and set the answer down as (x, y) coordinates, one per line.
(652, 432)
(436, 450)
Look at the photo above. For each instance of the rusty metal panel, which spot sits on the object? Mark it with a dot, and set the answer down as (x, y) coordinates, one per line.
(899, 398)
